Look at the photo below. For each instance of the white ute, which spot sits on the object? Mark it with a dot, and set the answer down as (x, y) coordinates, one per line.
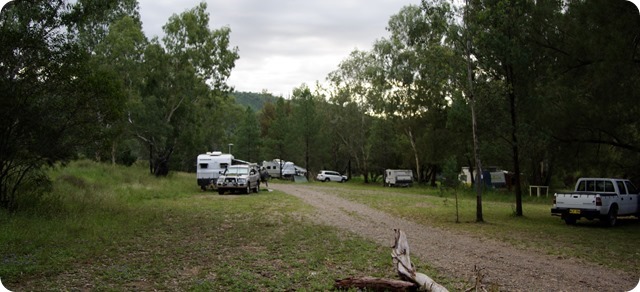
(598, 198)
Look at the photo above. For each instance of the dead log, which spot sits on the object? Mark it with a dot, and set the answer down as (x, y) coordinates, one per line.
(406, 270)
(375, 284)
(411, 280)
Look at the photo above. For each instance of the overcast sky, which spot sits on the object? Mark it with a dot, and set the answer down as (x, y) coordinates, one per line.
(284, 43)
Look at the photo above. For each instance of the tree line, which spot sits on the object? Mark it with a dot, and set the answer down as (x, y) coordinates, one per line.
(554, 84)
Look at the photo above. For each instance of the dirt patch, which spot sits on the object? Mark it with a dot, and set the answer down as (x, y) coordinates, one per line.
(455, 255)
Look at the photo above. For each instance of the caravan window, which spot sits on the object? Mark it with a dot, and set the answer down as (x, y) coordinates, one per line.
(204, 165)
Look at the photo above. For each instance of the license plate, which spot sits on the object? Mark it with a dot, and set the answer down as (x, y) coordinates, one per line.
(574, 211)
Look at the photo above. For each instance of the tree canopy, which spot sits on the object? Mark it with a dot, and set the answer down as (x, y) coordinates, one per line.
(555, 90)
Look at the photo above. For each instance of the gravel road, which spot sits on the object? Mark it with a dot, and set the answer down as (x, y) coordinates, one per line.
(455, 254)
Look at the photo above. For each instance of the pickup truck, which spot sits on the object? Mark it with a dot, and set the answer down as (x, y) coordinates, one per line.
(239, 178)
(598, 198)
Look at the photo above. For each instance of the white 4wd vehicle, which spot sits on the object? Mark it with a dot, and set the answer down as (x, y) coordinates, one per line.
(598, 198)
(328, 175)
(239, 178)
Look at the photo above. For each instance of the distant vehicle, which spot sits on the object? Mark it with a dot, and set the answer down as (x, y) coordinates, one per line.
(239, 178)
(398, 177)
(598, 198)
(209, 166)
(283, 169)
(329, 175)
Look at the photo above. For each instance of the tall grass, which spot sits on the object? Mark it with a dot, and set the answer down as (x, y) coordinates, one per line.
(108, 227)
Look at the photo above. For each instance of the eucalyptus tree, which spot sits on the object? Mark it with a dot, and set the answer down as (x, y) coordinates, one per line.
(351, 119)
(50, 95)
(184, 73)
(278, 126)
(92, 19)
(305, 124)
(111, 33)
(247, 137)
(594, 101)
(506, 55)
(121, 51)
(413, 71)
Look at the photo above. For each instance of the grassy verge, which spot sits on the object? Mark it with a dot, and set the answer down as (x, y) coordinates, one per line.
(114, 228)
(537, 229)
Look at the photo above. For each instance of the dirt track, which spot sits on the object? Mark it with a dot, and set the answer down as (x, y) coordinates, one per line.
(454, 255)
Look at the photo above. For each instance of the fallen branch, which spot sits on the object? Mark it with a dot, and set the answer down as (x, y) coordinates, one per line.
(375, 284)
(411, 280)
(406, 271)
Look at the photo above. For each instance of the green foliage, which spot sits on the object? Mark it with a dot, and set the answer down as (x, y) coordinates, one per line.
(182, 79)
(247, 141)
(450, 172)
(54, 101)
(554, 85)
(256, 101)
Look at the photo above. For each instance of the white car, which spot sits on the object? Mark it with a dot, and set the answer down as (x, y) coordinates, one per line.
(239, 178)
(328, 175)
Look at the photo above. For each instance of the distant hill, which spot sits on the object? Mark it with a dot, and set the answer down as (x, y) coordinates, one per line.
(254, 100)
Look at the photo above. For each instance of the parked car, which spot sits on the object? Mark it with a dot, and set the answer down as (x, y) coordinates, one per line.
(598, 198)
(329, 175)
(239, 178)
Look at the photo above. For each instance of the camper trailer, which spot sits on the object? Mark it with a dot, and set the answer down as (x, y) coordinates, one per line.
(209, 167)
(398, 177)
(289, 169)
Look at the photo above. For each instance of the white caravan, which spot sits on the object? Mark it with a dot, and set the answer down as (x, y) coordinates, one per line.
(398, 177)
(289, 169)
(209, 167)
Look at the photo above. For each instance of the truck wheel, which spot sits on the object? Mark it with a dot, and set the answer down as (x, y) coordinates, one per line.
(611, 218)
(257, 189)
(570, 220)
(248, 190)
(220, 192)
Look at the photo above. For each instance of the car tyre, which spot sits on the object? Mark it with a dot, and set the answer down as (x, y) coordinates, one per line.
(570, 220)
(326, 179)
(611, 218)
(248, 190)
(257, 189)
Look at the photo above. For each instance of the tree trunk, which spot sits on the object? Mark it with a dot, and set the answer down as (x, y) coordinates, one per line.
(376, 284)
(415, 155)
(514, 141)
(474, 124)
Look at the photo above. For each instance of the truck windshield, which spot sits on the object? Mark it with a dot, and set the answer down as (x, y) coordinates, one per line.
(237, 170)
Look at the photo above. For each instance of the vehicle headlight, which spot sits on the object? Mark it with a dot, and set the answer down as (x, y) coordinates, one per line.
(242, 180)
(220, 180)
